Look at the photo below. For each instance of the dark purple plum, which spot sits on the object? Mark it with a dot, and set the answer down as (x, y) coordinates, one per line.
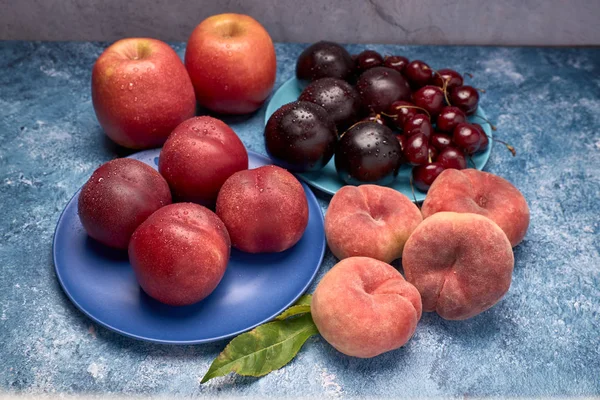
(368, 153)
(324, 60)
(379, 87)
(300, 136)
(338, 97)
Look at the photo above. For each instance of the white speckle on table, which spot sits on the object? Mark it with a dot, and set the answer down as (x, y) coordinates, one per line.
(555, 79)
(97, 371)
(501, 66)
(329, 383)
(588, 229)
(54, 73)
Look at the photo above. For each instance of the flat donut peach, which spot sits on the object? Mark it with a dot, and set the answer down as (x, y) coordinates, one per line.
(363, 307)
(370, 221)
(461, 263)
(473, 191)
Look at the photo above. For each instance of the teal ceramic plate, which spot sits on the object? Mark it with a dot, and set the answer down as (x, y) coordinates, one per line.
(327, 179)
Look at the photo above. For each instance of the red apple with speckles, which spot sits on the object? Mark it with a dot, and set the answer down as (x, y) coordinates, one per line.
(265, 209)
(141, 92)
(231, 60)
(199, 156)
(118, 197)
(180, 253)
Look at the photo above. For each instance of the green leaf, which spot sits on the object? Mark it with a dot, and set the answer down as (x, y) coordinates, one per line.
(302, 306)
(264, 349)
(304, 300)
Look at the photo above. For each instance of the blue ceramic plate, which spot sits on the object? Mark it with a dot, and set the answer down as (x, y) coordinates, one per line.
(327, 179)
(254, 289)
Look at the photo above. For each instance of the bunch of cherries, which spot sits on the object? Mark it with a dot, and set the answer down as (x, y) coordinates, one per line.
(387, 111)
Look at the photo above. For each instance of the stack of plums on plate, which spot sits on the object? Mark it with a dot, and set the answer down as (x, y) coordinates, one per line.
(179, 252)
(375, 113)
(456, 255)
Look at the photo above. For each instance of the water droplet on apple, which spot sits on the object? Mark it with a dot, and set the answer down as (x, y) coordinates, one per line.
(228, 45)
(226, 87)
(195, 129)
(135, 99)
(100, 179)
(122, 87)
(136, 69)
(130, 85)
(148, 69)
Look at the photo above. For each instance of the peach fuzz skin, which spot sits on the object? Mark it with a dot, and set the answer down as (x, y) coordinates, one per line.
(363, 307)
(265, 209)
(461, 263)
(370, 221)
(180, 253)
(141, 91)
(473, 191)
(231, 61)
(118, 197)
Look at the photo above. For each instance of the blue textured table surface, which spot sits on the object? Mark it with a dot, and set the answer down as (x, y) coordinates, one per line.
(541, 339)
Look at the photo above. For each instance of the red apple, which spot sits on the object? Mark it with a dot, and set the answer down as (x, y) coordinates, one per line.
(231, 60)
(199, 156)
(141, 92)
(180, 253)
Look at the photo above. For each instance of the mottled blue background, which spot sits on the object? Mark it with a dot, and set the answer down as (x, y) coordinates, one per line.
(541, 339)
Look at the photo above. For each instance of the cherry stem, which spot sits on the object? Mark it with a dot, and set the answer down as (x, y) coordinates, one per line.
(480, 90)
(444, 86)
(508, 146)
(406, 106)
(470, 75)
(472, 162)
(412, 188)
(486, 120)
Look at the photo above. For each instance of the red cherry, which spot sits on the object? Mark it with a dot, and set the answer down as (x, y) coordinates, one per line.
(451, 157)
(400, 111)
(432, 154)
(450, 117)
(431, 98)
(466, 98)
(395, 62)
(368, 59)
(416, 149)
(485, 141)
(418, 123)
(424, 175)
(440, 140)
(418, 73)
(467, 137)
(453, 78)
